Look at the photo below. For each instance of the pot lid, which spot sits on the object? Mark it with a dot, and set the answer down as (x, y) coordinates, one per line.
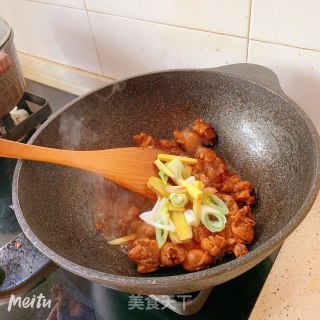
(4, 31)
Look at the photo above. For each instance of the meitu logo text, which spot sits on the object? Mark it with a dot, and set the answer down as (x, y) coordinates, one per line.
(38, 302)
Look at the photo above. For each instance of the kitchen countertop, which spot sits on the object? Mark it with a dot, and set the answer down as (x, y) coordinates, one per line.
(292, 289)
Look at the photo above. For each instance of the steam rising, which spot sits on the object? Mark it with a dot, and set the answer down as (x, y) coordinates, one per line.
(116, 87)
(108, 201)
(112, 205)
(72, 132)
(72, 129)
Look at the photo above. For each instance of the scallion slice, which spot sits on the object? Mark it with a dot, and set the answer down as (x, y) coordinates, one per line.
(190, 217)
(216, 203)
(212, 225)
(163, 177)
(152, 216)
(176, 167)
(191, 179)
(178, 199)
(163, 219)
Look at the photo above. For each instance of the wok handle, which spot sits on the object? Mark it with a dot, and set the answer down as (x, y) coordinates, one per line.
(188, 306)
(255, 73)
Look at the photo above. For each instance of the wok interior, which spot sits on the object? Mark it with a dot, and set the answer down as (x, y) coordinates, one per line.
(261, 136)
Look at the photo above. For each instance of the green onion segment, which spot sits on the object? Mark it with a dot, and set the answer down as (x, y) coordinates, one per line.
(161, 234)
(176, 167)
(178, 199)
(216, 203)
(152, 216)
(213, 225)
(190, 217)
(163, 177)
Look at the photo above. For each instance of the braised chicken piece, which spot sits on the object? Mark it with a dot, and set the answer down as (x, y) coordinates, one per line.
(143, 140)
(230, 245)
(146, 255)
(207, 156)
(229, 180)
(188, 140)
(227, 231)
(240, 250)
(172, 254)
(210, 165)
(236, 247)
(204, 131)
(170, 146)
(243, 212)
(190, 244)
(199, 233)
(197, 259)
(146, 141)
(242, 192)
(229, 201)
(214, 245)
(242, 225)
(216, 171)
(243, 229)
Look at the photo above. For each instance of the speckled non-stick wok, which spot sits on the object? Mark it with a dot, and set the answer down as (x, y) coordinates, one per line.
(263, 135)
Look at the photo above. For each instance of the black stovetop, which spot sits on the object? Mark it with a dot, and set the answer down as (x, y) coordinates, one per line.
(81, 298)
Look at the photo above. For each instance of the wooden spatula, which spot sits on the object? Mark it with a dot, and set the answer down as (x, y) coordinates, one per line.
(128, 167)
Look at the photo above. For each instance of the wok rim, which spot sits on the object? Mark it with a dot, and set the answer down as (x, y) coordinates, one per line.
(253, 257)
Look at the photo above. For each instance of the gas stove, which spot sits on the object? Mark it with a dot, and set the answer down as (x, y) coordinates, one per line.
(42, 290)
(23, 120)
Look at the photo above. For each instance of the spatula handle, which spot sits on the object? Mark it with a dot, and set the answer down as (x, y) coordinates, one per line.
(16, 150)
(129, 167)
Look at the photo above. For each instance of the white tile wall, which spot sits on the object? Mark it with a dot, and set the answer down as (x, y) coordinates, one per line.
(77, 4)
(127, 47)
(291, 22)
(298, 71)
(120, 38)
(228, 17)
(52, 32)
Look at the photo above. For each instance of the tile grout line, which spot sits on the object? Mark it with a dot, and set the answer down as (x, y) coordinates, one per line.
(169, 25)
(56, 5)
(137, 19)
(285, 45)
(94, 38)
(181, 27)
(249, 27)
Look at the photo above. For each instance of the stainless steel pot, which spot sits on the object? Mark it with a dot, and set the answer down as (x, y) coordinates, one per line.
(12, 84)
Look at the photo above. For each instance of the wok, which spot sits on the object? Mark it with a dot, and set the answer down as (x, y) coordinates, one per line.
(263, 135)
